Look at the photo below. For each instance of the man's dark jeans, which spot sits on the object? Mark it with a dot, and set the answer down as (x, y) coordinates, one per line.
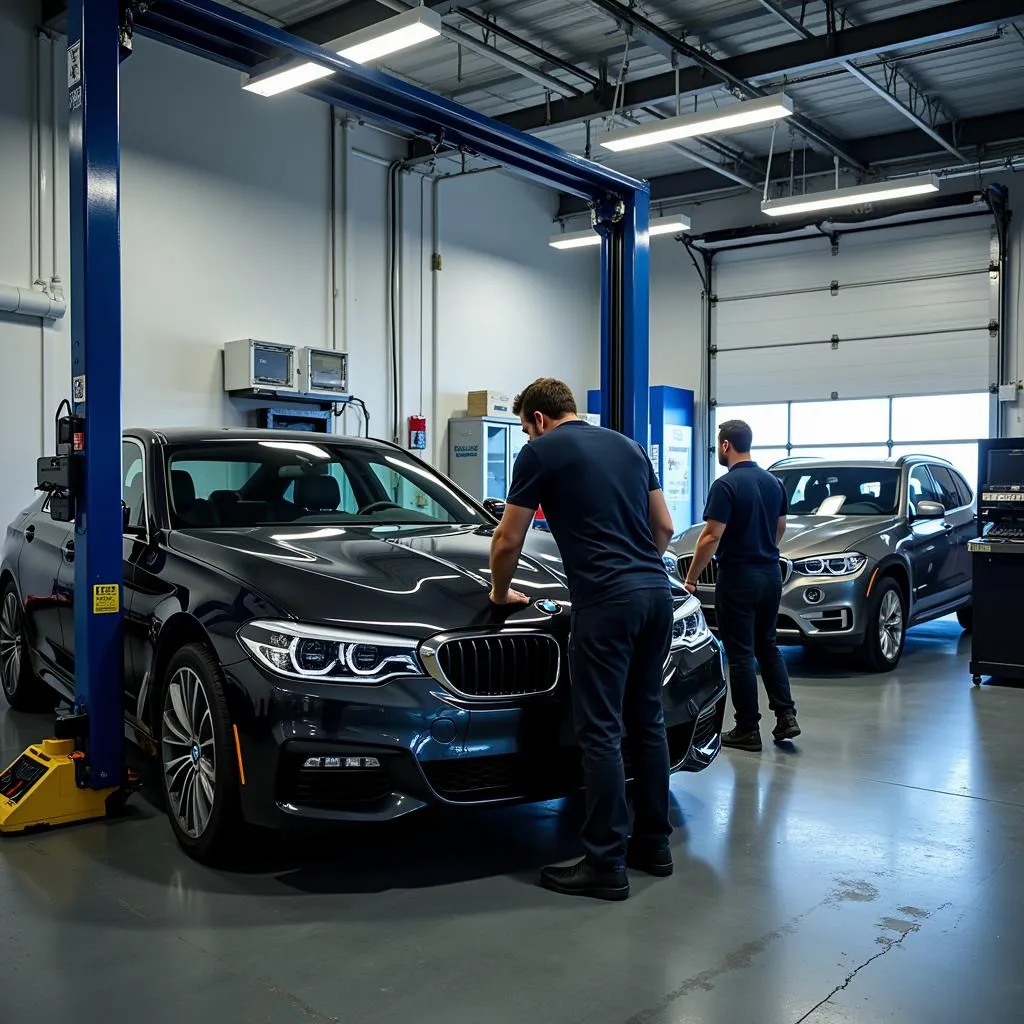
(747, 608)
(617, 655)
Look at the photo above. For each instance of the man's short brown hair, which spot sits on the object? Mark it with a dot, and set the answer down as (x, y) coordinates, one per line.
(548, 396)
(738, 434)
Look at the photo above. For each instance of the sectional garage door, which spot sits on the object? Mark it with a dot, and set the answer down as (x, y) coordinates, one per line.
(898, 311)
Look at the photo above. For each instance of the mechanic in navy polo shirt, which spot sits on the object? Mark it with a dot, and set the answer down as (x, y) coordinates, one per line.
(745, 519)
(608, 516)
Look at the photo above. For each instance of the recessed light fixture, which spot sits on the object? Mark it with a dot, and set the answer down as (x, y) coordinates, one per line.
(581, 239)
(672, 129)
(876, 192)
(414, 26)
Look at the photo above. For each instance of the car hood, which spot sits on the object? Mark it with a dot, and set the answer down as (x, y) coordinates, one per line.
(413, 580)
(807, 536)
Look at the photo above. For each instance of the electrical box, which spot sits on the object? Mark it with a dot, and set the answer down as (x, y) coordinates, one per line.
(323, 372)
(251, 365)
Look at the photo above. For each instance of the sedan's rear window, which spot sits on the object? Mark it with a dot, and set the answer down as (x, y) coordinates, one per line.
(840, 490)
(263, 483)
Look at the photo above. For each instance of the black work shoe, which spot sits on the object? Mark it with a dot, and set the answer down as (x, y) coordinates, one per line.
(583, 879)
(742, 740)
(652, 860)
(787, 728)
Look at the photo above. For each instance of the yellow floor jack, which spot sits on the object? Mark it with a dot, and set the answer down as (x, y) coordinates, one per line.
(47, 785)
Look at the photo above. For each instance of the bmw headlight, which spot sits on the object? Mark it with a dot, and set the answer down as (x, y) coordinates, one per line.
(332, 655)
(830, 565)
(689, 628)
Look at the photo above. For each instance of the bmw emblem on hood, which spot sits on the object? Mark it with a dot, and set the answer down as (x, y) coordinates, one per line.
(548, 607)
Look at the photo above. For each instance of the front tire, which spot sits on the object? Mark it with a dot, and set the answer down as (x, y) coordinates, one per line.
(965, 616)
(198, 770)
(22, 688)
(886, 631)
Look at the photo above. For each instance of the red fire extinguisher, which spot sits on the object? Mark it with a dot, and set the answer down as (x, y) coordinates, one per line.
(417, 433)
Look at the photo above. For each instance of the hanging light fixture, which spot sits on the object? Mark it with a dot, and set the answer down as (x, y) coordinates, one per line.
(582, 239)
(672, 129)
(857, 195)
(370, 44)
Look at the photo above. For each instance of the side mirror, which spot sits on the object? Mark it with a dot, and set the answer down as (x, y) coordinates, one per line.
(930, 510)
(126, 517)
(495, 506)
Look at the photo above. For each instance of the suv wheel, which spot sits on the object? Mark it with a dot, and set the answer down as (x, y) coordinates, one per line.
(24, 690)
(886, 628)
(965, 616)
(198, 774)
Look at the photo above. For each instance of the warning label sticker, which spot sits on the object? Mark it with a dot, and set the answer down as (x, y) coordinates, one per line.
(74, 63)
(106, 598)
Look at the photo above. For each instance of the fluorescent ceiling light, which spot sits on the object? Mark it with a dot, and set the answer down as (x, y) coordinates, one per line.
(739, 115)
(857, 195)
(414, 26)
(581, 239)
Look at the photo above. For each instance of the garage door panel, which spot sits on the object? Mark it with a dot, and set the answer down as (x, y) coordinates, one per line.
(856, 369)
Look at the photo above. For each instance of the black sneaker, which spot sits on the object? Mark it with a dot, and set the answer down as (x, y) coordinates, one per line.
(583, 879)
(656, 860)
(742, 740)
(787, 728)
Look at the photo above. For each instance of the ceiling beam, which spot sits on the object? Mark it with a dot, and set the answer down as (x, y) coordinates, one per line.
(975, 133)
(932, 24)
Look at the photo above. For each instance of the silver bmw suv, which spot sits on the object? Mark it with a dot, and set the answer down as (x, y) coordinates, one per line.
(871, 548)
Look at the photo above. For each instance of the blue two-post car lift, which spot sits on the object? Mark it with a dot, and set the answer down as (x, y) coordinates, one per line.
(99, 38)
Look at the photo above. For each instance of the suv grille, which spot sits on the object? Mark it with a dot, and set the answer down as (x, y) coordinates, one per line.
(709, 577)
(501, 666)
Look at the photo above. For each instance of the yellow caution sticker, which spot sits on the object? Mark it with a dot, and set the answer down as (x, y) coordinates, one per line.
(106, 598)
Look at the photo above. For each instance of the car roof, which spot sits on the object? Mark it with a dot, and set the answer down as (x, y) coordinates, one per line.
(897, 462)
(201, 435)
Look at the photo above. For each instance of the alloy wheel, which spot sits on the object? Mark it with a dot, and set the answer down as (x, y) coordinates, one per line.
(189, 752)
(10, 644)
(890, 625)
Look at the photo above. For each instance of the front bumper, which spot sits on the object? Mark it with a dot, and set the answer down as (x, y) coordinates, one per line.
(429, 747)
(815, 610)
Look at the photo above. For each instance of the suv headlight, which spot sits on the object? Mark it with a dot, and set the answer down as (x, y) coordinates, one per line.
(689, 628)
(830, 565)
(332, 655)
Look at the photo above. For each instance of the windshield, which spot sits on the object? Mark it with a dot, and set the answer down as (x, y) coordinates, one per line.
(825, 490)
(264, 483)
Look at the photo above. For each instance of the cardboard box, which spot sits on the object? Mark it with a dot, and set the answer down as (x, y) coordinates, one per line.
(490, 403)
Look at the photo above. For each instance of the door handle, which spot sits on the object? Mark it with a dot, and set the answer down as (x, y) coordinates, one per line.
(30, 534)
(69, 551)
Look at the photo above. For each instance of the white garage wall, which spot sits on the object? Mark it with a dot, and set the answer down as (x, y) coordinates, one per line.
(226, 234)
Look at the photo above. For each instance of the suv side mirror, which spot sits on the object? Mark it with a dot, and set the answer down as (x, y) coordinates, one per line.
(930, 510)
(495, 506)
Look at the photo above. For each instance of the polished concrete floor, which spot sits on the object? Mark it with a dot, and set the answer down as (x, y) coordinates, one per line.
(870, 872)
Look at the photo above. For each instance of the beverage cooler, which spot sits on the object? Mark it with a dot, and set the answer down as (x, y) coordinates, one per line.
(481, 453)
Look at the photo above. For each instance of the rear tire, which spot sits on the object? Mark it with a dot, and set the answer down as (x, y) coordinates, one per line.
(22, 688)
(965, 616)
(198, 767)
(886, 631)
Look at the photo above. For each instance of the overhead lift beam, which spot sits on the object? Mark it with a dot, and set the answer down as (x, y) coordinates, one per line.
(97, 41)
(930, 25)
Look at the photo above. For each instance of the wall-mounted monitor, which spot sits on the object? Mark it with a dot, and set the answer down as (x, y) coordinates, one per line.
(323, 371)
(251, 365)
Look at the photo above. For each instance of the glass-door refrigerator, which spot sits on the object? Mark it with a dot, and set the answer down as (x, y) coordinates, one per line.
(481, 453)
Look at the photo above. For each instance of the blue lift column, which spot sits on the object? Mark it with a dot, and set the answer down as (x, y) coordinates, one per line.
(94, 55)
(625, 313)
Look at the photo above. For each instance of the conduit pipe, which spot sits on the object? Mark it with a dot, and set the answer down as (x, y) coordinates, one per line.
(28, 302)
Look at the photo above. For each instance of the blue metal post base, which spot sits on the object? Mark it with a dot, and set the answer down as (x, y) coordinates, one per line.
(94, 165)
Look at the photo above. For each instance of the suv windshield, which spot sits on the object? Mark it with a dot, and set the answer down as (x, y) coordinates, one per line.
(823, 490)
(264, 483)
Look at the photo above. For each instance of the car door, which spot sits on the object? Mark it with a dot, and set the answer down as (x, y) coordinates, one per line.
(928, 546)
(961, 526)
(133, 499)
(39, 570)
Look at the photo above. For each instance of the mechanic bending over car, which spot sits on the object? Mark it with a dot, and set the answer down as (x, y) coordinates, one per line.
(745, 520)
(608, 516)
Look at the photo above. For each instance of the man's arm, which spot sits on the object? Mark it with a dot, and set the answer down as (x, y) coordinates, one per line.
(660, 519)
(707, 545)
(506, 547)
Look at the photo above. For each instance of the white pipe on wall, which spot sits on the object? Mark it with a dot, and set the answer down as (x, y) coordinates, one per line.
(28, 302)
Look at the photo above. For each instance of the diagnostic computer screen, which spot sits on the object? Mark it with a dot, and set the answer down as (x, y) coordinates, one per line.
(1006, 468)
(269, 366)
(326, 371)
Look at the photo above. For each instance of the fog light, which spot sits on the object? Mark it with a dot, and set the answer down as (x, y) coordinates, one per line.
(814, 595)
